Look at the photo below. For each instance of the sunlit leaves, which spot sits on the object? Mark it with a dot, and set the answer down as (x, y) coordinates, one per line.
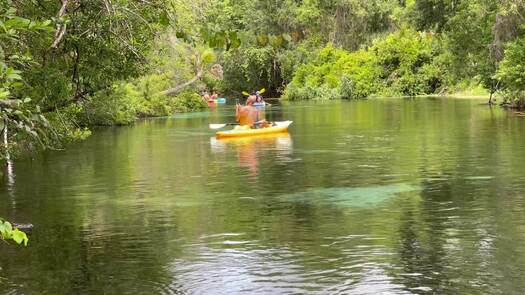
(233, 40)
(10, 24)
(225, 40)
(17, 23)
(400, 64)
(7, 232)
(15, 110)
(208, 56)
(164, 19)
(512, 72)
(12, 75)
(4, 93)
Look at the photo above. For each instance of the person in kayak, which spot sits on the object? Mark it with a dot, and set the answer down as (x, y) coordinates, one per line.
(205, 96)
(248, 115)
(214, 95)
(258, 97)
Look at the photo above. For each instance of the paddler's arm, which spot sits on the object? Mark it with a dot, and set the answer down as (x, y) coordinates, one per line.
(237, 112)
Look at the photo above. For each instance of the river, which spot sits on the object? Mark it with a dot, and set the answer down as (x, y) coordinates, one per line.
(401, 196)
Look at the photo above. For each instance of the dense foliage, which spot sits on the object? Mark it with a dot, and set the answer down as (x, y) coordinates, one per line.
(70, 64)
(379, 47)
(401, 64)
(512, 73)
(55, 55)
(21, 119)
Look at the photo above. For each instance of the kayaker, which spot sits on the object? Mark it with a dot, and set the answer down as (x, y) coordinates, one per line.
(206, 96)
(248, 115)
(214, 95)
(258, 97)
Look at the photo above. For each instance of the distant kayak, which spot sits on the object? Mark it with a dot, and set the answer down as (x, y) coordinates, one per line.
(214, 102)
(241, 132)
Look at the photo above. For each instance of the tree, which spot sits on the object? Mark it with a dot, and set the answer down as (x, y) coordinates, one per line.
(18, 114)
(201, 60)
(95, 44)
(512, 73)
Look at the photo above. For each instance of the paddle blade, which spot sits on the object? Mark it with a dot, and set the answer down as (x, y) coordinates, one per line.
(245, 93)
(262, 91)
(283, 123)
(217, 126)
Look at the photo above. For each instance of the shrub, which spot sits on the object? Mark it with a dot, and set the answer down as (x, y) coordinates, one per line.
(67, 123)
(335, 73)
(117, 106)
(250, 68)
(511, 73)
(189, 101)
(124, 102)
(400, 64)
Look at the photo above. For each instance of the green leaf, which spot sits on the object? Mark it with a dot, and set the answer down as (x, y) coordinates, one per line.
(4, 93)
(14, 77)
(6, 230)
(234, 41)
(45, 23)
(12, 74)
(219, 40)
(17, 23)
(3, 229)
(164, 20)
(181, 35)
(208, 56)
(19, 237)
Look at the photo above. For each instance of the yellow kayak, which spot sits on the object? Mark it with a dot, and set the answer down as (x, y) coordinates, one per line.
(241, 132)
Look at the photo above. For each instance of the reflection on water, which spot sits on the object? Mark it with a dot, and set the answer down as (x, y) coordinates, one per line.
(273, 271)
(249, 149)
(385, 196)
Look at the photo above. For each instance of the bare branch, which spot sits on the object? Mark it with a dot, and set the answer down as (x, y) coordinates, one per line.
(61, 29)
(178, 88)
(109, 6)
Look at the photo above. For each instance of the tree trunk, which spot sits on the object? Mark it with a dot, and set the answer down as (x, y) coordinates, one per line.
(178, 88)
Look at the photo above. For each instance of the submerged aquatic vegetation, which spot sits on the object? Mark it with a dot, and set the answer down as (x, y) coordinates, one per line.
(358, 197)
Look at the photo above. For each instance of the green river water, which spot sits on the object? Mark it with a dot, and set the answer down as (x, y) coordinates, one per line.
(383, 196)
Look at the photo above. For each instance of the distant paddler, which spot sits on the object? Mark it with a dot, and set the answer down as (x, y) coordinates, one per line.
(259, 101)
(259, 98)
(205, 96)
(208, 99)
(214, 95)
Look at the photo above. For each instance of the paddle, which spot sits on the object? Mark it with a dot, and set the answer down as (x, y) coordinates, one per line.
(219, 126)
(260, 92)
